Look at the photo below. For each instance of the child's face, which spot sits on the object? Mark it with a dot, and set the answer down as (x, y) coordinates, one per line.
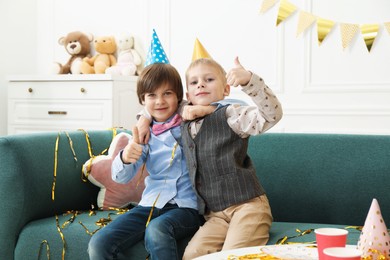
(205, 85)
(162, 103)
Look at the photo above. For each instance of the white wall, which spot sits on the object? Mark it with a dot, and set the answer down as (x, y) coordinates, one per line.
(18, 46)
(322, 88)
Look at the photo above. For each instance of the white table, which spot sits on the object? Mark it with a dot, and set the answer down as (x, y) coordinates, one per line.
(293, 251)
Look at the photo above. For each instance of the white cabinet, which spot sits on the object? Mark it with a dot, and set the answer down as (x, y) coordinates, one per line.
(71, 102)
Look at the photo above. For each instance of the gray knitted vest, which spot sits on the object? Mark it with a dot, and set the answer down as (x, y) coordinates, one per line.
(220, 169)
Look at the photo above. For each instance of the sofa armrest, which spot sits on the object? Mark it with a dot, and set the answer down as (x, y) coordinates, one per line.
(12, 213)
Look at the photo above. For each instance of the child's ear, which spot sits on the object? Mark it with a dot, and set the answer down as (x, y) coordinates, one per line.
(188, 97)
(226, 91)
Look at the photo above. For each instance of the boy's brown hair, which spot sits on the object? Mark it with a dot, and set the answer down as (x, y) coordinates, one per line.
(154, 76)
(210, 62)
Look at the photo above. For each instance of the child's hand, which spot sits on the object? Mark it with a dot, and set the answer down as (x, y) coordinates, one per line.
(238, 75)
(143, 129)
(196, 111)
(133, 149)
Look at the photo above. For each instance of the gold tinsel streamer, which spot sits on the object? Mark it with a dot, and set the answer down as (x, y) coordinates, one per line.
(47, 249)
(260, 256)
(73, 216)
(53, 187)
(369, 32)
(324, 27)
(62, 237)
(170, 164)
(377, 255)
(284, 239)
(305, 19)
(56, 160)
(285, 10)
(84, 178)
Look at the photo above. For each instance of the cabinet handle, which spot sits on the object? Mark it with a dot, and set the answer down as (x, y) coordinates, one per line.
(30, 90)
(57, 112)
(82, 90)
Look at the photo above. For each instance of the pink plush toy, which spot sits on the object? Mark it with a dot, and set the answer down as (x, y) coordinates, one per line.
(129, 58)
(98, 172)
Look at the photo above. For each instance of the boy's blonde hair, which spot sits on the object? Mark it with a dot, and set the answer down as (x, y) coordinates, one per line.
(209, 62)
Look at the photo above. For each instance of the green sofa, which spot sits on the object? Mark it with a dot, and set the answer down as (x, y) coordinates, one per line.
(312, 180)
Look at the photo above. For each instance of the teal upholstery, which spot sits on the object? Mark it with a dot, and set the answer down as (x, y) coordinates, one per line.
(312, 180)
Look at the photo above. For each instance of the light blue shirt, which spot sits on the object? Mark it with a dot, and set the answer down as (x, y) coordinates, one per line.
(171, 179)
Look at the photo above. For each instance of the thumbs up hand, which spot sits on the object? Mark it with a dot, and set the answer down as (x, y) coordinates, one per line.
(133, 149)
(238, 75)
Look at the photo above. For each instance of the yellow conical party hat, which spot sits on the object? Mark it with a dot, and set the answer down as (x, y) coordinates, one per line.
(199, 51)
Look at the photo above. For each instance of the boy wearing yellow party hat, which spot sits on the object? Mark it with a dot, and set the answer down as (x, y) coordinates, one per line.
(230, 195)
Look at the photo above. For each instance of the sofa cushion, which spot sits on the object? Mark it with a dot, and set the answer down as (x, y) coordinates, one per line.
(281, 229)
(75, 236)
(98, 172)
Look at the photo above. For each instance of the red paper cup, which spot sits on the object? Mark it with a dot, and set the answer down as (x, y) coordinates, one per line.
(342, 253)
(330, 237)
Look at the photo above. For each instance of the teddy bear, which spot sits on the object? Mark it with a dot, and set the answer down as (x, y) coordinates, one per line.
(129, 58)
(78, 45)
(104, 58)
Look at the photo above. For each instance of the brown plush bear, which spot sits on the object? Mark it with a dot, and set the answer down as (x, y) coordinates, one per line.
(105, 47)
(77, 44)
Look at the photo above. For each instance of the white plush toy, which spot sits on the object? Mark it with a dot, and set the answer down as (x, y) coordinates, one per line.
(130, 60)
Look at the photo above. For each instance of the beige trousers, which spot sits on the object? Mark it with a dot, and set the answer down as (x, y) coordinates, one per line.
(242, 225)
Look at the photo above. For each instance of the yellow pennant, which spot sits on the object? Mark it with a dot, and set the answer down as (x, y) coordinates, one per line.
(348, 32)
(267, 4)
(304, 21)
(285, 10)
(387, 26)
(369, 32)
(324, 27)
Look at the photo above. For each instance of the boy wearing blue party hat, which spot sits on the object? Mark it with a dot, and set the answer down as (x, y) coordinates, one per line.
(168, 208)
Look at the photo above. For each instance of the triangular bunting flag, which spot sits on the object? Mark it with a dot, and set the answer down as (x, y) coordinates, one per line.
(304, 21)
(387, 26)
(324, 27)
(267, 4)
(369, 32)
(199, 51)
(348, 32)
(285, 10)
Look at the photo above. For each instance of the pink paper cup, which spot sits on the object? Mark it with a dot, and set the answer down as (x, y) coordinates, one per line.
(342, 253)
(330, 237)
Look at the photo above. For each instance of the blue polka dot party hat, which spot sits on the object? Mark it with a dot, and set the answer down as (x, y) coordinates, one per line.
(156, 53)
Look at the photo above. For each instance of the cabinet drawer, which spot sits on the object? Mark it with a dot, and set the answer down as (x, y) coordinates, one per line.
(61, 90)
(60, 112)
